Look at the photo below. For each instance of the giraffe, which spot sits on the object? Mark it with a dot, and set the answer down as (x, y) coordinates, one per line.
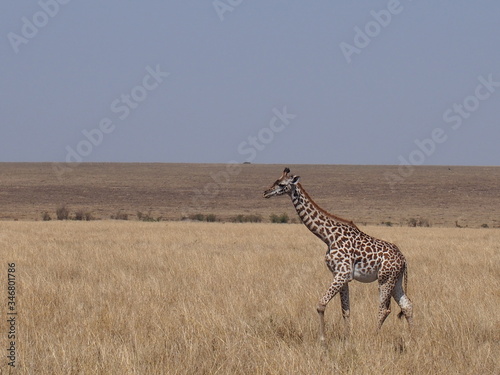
(351, 255)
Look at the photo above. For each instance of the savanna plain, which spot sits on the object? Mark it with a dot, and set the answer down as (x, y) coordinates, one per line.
(186, 297)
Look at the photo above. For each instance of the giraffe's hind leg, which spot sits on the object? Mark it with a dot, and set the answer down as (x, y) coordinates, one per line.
(385, 292)
(403, 301)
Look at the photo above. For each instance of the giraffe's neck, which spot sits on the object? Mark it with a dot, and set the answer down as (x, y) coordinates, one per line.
(322, 224)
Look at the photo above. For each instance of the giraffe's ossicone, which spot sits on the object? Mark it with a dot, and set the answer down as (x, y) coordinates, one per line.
(351, 255)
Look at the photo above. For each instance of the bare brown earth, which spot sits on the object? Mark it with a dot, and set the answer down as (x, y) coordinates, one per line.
(443, 196)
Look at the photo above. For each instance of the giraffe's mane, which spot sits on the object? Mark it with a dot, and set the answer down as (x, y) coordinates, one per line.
(325, 212)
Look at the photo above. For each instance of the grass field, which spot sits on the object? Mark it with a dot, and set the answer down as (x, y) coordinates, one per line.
(109, 297)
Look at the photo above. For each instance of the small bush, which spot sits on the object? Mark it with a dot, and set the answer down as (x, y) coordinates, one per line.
(387, 223)
(211, 218)
(120, 216)
(46, 216)
(418, 222)
(485, 226)
(246, 219)
(200, 217)
(238, 219)
(254, 218)
(62, 213)
(280, 219)
(81, 215)
(147, 217)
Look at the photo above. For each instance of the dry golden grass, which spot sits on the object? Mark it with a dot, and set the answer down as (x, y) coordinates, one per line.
(196, 298)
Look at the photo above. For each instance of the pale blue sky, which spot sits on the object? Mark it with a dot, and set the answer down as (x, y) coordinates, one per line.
(347, 82)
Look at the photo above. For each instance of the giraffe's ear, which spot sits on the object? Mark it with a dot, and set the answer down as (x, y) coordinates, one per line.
(295, 179)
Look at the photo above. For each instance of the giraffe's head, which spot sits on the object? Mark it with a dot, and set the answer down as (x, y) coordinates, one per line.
(284, 185)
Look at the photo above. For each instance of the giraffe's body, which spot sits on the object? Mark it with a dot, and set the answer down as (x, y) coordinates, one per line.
(351, 254)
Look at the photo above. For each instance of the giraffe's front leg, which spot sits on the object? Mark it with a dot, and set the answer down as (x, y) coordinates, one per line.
(338, 283)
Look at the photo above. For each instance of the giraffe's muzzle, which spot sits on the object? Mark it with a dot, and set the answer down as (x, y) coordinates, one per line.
(269, 193)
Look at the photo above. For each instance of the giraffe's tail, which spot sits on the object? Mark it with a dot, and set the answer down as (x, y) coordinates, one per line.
(405, 289)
